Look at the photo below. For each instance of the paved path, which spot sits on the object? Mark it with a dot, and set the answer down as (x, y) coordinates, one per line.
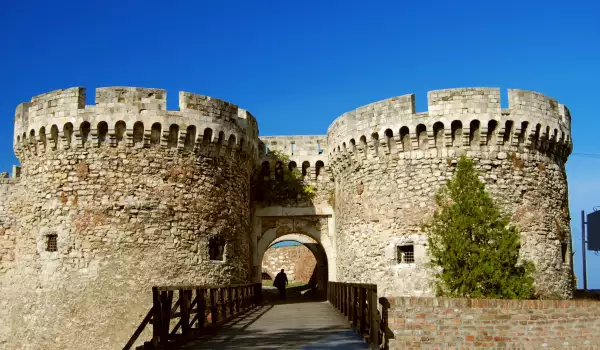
(306, 325)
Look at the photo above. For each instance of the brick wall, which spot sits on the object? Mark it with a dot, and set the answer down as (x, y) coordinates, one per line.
(427, 323)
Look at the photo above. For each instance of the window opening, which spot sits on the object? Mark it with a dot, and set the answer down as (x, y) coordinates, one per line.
(563, 249)
(406, 254)
(216, 248)
(52, 243)
(293, 147)
(319, 148)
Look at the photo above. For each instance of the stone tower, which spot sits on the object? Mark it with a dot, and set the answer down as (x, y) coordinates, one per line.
(388, 162)
(119, 196)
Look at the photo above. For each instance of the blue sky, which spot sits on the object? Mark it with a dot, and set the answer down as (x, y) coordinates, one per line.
(298, 65)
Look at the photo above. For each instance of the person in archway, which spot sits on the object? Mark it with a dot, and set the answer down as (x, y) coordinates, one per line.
(280, 282)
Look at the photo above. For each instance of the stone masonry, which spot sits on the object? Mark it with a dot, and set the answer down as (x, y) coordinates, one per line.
(116, 197)
(297, 261)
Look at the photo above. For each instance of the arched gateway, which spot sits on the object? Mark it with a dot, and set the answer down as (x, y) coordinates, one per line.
(314, 230)
(121, 195)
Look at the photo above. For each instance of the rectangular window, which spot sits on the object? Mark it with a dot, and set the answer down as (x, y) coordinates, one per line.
(293, 147)
(52, 243)
(406, 254)
(216, 248)
(564, 247)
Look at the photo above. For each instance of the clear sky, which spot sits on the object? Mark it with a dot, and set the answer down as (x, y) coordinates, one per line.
(298, 65)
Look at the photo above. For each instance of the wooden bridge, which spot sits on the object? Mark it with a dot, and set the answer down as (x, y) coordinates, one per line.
(246, 317)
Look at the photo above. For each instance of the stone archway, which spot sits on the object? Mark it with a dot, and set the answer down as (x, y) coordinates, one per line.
(320, 273)
(315, 231)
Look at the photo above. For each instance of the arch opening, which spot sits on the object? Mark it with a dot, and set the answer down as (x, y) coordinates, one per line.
(303, 259)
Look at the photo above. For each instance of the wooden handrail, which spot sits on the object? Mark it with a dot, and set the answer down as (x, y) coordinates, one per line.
(192, 307)
(359, 304)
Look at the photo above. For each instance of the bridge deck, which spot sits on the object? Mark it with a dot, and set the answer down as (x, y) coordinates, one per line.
(292, 324)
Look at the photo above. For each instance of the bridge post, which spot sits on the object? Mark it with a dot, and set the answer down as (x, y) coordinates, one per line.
(156, 315)
(373, 319)
(166, 298)
(213, 307)
(362, 315)
(185, 311)
(201, 295)
(223, 303)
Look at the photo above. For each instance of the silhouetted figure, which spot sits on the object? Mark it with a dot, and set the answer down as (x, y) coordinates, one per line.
(280, 283)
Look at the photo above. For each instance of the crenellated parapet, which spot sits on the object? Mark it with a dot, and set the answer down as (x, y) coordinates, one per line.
(467, 119)
(133, 117)
(307, 153)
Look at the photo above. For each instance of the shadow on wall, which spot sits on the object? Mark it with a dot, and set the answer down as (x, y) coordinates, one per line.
(384, 330)
(279, 180)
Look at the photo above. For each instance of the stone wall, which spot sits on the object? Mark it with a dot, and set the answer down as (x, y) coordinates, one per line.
(434, 323)
(7, 236)
(131, 207)
(297, 261)
(307, 154)
(134, 193)
(388, 162)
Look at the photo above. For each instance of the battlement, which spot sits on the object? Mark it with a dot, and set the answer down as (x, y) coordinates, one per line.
(470, 118)
(307, 153)
(296, 145)
(131, 116)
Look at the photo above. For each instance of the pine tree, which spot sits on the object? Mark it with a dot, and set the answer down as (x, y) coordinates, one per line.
(472, 247)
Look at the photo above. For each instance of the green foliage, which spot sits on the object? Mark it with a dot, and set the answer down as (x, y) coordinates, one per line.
(288, 186)
(471, 244)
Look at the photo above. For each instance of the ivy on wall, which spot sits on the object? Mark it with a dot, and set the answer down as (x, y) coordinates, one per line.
(277, 180)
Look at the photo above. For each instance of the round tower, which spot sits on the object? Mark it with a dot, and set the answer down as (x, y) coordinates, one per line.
(119, 196)
(389, 161)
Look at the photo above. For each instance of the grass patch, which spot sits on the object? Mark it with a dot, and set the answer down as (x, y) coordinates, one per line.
(292, 284)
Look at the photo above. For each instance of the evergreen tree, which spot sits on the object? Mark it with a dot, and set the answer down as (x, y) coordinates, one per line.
(471, 244)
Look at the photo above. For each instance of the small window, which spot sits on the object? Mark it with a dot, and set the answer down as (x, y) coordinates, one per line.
(406, 254)
(216, 248)
(563, 250)
(51, 243)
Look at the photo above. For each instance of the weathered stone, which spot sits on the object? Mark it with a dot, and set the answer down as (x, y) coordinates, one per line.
(134, 193)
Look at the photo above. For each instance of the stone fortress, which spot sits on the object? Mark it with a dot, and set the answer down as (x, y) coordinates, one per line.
(113, 198)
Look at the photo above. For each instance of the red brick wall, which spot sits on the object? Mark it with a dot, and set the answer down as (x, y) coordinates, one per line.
(426, 323)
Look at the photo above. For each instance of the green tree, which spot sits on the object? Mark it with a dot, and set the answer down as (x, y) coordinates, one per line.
(472, 246)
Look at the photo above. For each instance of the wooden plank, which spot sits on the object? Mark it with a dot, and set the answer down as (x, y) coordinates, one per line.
(156, 313)
(166, 300)
(213, 308)
(206, 286)
(374, 321)
(139, 330)
(222, 304)
(352, 315)
(184, 297)
(201, 294)
(361, 309)
(237, 300)
(230, 301)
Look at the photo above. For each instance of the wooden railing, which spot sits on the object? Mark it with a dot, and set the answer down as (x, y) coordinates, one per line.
(358, 303)
(196, 310)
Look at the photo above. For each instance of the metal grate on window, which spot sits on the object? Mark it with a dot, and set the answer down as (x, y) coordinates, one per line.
(406, 254)
(51, 243)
